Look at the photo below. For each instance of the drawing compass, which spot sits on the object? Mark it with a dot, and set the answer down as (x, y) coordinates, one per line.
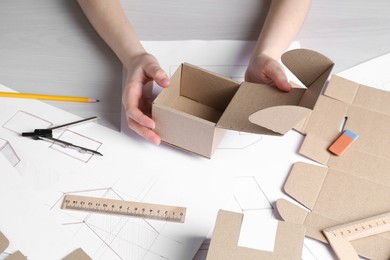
(47, 135)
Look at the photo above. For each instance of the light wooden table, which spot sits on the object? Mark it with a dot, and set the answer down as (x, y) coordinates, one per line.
(49, 46)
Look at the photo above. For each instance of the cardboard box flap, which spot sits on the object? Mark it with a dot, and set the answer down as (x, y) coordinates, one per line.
(251, 98)
(312, 69)
(358, 95)
(260, 102)
(307, 65)
(280, 119)
(305, 182)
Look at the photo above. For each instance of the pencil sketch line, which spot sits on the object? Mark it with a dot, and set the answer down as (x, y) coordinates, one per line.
(308, 249)
(258, 184)
(96, 234)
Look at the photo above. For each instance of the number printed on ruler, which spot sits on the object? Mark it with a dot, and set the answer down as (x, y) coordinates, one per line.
(362, 228)
(124, 208)
(339, 237)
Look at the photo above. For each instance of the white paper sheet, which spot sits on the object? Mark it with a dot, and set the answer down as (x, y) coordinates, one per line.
(260, 163)
(26, 222)
(373, 73)
(254, 226)
(133, 169)
(130, 169)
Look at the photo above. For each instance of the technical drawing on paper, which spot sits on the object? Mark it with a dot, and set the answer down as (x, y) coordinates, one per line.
(9, 153)
(80, 140)
(115, 237)
(23, 121)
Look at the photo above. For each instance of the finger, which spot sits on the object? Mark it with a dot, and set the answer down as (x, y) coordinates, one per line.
(279, 78)
(155, 72)
(143, 131)
(132, 106)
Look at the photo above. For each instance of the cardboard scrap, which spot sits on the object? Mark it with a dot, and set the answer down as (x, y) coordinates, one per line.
(197, 108)
(78, 254)
(223, 245)
(353, 186)
(4, 242)
(16, 256)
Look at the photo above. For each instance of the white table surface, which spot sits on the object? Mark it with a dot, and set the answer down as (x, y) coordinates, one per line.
(48, 46)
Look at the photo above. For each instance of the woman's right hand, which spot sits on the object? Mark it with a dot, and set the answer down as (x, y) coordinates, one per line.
(142, 70)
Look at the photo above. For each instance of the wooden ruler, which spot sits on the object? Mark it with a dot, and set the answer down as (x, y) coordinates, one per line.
(124, 208)
(339, 237)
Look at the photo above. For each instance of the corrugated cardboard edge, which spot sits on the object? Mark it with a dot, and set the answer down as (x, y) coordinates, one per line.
(223, 245)
(280, 119)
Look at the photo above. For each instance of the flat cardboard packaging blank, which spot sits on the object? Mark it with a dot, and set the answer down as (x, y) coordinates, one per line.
(196, 109)
(224, 242)
(350, 187)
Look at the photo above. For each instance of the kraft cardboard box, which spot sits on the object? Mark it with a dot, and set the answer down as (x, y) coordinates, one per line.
(197, 108)
(350, 187)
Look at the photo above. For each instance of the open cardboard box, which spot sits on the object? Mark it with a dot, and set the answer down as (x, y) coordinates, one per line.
(197, 108)
(350, 187)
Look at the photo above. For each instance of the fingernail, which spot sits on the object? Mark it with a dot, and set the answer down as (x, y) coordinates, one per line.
(165, 81)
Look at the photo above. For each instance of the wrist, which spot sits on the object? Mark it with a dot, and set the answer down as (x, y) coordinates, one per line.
(130, 53)
(270, 52)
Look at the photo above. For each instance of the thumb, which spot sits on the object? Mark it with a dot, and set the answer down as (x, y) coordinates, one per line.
(155, 72)
(279, 78)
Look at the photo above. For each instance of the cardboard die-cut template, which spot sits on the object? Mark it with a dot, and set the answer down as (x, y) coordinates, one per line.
(353, 186)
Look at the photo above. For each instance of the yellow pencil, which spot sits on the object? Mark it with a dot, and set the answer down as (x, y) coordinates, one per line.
(47, 97)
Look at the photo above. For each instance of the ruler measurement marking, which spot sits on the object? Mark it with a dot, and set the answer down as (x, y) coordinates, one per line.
(124, 208)
(339, 237)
